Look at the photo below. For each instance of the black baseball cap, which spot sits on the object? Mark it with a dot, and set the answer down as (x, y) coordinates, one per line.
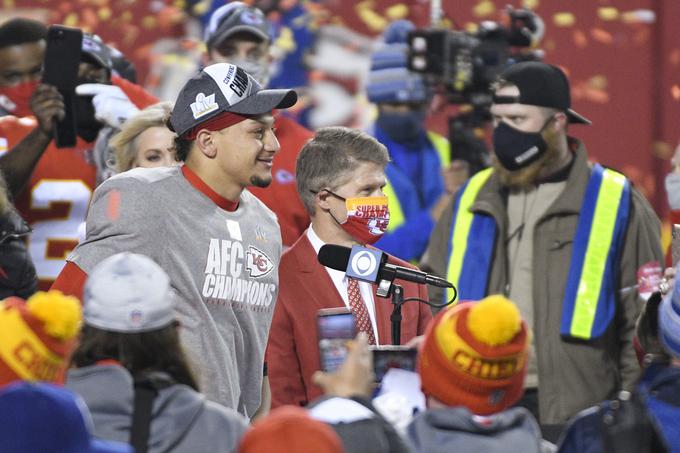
(94, 49)
(540, 84)
(220, 88)
(233, 18)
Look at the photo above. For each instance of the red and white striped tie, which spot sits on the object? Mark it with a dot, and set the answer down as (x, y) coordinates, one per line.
(358, 307)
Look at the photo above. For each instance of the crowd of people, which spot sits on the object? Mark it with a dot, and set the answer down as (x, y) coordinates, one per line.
(160, 287)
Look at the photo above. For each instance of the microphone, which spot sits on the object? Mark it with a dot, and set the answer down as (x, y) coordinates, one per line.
(371, 265)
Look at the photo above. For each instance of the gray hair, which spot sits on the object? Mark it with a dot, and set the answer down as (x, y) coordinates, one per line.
(329, 159)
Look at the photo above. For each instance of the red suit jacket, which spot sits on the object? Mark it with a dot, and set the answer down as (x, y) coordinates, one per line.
(304, 288)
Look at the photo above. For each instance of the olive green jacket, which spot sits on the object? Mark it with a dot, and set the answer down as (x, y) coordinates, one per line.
(573, 375)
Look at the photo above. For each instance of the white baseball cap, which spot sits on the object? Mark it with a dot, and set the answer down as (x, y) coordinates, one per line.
(128, 293)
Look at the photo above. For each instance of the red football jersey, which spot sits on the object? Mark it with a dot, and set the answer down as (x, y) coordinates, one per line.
(56, 199)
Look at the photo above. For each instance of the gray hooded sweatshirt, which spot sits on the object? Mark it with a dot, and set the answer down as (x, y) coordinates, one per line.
(182, 420)
(457, 429)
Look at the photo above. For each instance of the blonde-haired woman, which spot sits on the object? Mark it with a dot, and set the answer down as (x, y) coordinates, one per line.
(144, 140)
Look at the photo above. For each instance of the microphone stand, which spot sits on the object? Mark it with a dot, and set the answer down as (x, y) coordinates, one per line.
(397, 302)
(387, 288)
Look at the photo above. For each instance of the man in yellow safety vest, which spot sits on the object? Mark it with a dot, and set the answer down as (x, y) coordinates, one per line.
(561, 237)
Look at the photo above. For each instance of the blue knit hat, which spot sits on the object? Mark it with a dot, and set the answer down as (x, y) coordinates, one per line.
(669, 318)
(47, 419)
(389, 79)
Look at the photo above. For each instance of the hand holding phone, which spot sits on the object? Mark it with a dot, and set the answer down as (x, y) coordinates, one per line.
(335, 327)
(60, 69)
(354, 377)
(387, 357)
(47, 104)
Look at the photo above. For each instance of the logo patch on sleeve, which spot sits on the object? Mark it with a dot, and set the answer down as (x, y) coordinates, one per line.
(203, 105)
(258, 263)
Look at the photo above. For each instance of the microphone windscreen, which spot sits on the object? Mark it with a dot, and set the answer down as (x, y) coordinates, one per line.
(334, 256)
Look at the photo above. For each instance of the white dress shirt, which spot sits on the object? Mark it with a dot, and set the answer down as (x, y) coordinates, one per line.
(340, 281)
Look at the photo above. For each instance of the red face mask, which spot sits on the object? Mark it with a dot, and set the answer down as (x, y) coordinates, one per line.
(367, 218)
(17, 99)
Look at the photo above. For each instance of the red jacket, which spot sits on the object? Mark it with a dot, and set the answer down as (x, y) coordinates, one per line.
(56, 197)
(304, 288)
(281, 196)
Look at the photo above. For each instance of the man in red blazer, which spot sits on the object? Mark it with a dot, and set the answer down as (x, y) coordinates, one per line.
(340, 177)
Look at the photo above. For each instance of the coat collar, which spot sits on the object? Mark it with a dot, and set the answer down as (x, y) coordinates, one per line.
(492, 199)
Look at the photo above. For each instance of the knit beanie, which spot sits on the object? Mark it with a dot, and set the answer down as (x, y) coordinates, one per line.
(37, 337)
(390, 79)
(290, 428)
(669, 318)
(475, 355)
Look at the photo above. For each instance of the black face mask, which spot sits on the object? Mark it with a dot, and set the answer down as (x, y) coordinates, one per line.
(87, 126)
(403, 127)
(516, 149)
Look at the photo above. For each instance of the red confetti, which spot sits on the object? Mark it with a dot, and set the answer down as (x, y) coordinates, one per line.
(602, 36)
(675, 92)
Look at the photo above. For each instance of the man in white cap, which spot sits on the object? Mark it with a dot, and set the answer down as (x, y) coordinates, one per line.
(218, 243)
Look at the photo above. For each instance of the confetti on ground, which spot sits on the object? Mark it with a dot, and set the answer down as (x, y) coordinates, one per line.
(396, 12)
(71, 20)
(104, 13)
(608, 13)
(602, 36)
(484, 8)
(471, 27)
(675, 92)
(368, 16)
(639, 16)
(674, 57)
(564, 19)
(641, 36)
(662, 150)
(580, 39)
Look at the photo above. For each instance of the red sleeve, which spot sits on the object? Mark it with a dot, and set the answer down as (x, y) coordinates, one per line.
(138, 95)
(285, 376)
(71, 280)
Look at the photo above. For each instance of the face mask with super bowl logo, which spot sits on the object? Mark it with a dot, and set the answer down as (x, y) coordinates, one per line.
(367, 217)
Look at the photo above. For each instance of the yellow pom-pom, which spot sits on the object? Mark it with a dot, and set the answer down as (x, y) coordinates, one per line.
(494, 320)
(61, 315)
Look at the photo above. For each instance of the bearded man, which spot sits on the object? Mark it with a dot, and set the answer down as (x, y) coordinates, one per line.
(560, 236)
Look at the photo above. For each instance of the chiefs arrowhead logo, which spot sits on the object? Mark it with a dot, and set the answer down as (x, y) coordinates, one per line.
(258, 263)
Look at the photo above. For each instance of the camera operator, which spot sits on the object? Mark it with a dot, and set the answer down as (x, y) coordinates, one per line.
(528, 229)
(416, 188)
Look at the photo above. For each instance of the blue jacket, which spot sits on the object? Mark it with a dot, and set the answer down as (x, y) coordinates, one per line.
(417, 188)
(660, 388)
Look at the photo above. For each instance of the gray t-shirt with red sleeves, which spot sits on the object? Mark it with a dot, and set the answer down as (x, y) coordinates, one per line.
(223, 266)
